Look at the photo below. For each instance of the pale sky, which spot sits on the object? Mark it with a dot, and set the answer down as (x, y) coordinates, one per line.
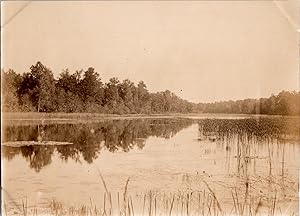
(201, 50)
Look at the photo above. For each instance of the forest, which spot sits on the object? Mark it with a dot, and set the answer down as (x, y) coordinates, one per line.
(84, 91)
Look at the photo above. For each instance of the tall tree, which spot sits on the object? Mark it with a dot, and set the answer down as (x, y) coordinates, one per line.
(112, 97)
(9, 87)
(126, 92)
(39, 85)
(143, 98)
(91, 87)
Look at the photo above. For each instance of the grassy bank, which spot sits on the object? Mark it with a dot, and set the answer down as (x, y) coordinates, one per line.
(29, 118)
(40, 115)
(94, 116)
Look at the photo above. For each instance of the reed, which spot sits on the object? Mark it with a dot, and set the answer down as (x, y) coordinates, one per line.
(188, 202)
(174, 204)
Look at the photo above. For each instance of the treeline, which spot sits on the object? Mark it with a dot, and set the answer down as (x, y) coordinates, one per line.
(83, 91)
(285, 103)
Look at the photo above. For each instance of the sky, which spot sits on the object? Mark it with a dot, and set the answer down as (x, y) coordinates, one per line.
(203, 51)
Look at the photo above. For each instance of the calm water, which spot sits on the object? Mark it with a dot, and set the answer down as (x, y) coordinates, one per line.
(246, 164)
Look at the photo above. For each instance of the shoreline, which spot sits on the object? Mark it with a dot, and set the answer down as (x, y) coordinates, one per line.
(101, 116)
(29, 118)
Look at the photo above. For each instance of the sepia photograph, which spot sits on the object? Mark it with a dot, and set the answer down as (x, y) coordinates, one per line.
(150, 108)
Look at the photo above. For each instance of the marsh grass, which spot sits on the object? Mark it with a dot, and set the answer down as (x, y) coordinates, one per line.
(181, 203)
(245, 201)
(84, 116)
(154, 203)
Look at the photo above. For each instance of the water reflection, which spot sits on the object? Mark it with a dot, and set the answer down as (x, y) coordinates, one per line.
(88, 139)
(250, 164)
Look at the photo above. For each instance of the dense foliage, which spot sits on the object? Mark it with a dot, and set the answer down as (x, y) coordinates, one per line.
(285, 103)
(83, 91)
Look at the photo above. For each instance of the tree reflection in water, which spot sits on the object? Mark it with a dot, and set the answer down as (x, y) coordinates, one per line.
(88, 139)
(123, 135)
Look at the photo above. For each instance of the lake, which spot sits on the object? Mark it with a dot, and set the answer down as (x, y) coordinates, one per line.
(168, 166)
